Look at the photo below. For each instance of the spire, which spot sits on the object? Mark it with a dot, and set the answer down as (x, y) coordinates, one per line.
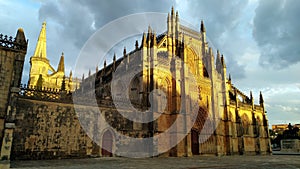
(20, 37)
(149, 34)
(144, 41)
(97, 69)
(223, 61)
(41, 49)
(136, 45)
(169, 25)
(218, 61)
(154, 43)
(229, 78)
(89, 72)
(202, 26)
(177, 16)
(251, 96)
(210, 51)
(172, 11)
(61, 65)
(261, 99)
(114, 62)
(124, 52)
(218, 54)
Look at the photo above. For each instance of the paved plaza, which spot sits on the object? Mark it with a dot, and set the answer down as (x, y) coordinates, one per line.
(258, 162)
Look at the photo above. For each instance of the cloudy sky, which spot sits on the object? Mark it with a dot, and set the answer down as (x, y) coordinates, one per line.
(260, 39)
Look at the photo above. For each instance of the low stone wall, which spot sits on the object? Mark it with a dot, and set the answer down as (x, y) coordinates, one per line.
(46, 130)
(290, 145)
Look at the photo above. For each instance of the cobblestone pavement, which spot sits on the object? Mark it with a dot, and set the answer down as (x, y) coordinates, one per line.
(257, 162)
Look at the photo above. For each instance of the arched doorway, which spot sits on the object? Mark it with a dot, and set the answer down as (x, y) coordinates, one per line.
(195, 142)
(107, 144)
(197, 128)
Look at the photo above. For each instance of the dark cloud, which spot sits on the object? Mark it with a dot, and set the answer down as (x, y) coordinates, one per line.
(77, 20)
(105, 11)
(222, 19)
(277, 32)
(71, 23)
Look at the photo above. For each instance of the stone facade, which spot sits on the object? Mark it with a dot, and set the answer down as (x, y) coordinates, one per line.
(178, 62)
(12, 55)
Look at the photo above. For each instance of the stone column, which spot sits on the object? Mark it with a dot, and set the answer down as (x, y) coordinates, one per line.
(6, 146)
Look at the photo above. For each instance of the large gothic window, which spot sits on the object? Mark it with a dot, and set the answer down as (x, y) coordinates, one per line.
(134, 90)
(167, 90)
(245, 124)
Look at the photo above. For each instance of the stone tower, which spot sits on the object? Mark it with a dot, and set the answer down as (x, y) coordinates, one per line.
(42, 74)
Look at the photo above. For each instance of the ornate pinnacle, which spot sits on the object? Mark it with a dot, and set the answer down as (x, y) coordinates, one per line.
(172, 11)
(261, 99)
(114, 59)
(124, 52)
(154, 43)
(223, 61)
(144, 43)
(202, 26)
(136, 45)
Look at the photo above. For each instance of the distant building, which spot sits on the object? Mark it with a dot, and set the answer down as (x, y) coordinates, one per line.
(281, 127)
(43, 75)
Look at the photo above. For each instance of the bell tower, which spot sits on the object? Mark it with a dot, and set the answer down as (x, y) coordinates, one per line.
(39, 64)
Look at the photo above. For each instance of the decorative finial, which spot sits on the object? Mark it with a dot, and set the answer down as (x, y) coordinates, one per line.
(114, 59)
(223, 61)
(144, 43)
(136, 45)
(154, 39)
(124, 51)
(172, 11)
(202, 26)
(261, 99)
(177, 16)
